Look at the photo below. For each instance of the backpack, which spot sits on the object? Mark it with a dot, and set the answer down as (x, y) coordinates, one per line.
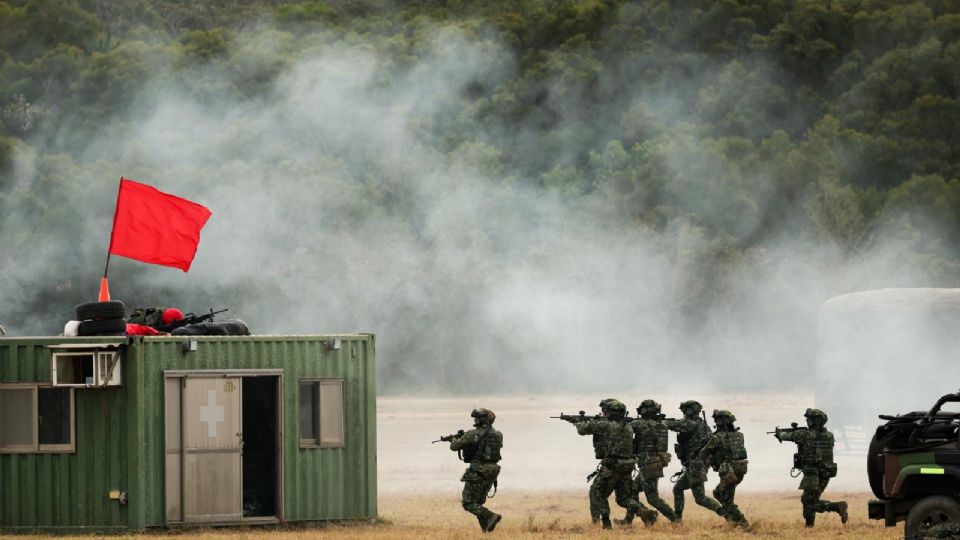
(150, 316)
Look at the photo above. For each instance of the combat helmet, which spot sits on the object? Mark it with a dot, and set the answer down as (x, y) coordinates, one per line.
(648, 407)
(721, 416)
(693, 406)
(604, 403)
(483, 416)
(815, 418)
(616, 408)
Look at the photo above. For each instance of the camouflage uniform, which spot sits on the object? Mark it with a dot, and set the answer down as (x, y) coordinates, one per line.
(726, 453)
(815, 458)
(480, 447)
(692, 434)
(618, 463)
(650, 437)
(598, 452)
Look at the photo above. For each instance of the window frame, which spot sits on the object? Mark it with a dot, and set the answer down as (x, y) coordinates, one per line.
(36, 447)
(317, 442)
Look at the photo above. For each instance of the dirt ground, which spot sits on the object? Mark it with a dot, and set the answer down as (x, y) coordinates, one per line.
(558, 514)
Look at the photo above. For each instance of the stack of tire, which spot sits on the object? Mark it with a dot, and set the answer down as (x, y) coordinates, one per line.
(102, 319)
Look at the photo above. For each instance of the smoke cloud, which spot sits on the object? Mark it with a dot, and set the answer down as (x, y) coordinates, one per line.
(341, 203)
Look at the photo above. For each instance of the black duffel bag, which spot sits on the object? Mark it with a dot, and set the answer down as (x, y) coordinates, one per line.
(229, 327)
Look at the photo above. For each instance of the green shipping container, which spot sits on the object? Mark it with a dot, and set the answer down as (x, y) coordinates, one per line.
(126, 433)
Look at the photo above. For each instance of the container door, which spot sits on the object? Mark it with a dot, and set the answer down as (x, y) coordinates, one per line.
(212, 464)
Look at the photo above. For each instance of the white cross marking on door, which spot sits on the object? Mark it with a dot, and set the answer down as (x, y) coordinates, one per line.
(211, 413)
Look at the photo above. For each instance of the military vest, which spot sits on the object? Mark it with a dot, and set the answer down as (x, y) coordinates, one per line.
(599, 451)
(690, 441)
(728, 447)
(150, 316)
(649, 436)
(816, 448)
(489, 445)
(619, 440)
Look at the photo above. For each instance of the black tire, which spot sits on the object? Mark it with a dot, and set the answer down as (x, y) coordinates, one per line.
(102, 327)
(930, 511)
(92, 311)
(874, 473)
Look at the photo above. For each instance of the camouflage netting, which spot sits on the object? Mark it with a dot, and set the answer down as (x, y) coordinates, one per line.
(948, 530)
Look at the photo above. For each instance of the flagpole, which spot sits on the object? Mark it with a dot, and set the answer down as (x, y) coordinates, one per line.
(104, 295)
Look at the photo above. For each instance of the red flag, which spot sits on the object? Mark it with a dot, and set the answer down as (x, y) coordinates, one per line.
(156, 227)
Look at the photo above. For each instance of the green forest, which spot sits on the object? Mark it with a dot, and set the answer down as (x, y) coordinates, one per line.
(726, 136)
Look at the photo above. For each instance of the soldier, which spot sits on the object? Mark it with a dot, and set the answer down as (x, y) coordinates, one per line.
(598, 452)
(727, 455)
(650, 447)
(617, 465)
(692, 434)
(814, 458)
(480, 447)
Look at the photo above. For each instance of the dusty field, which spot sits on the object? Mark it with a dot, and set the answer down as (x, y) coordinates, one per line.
(561, 514)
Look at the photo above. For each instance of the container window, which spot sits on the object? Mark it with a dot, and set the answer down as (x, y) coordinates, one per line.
(36, 419)
(331, 413)
(53, 415)
(308, 413)
(322, 419)
(85, 369)
(73, 369)
(16, 411)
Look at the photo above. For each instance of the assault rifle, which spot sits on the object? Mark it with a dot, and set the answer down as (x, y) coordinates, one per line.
(581, 417)
(793, 427)
(190, 318)
(659, 416)
(448, 438)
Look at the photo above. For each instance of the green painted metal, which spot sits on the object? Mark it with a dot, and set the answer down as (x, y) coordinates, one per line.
(120, 433)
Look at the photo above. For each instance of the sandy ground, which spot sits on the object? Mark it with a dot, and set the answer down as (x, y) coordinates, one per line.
(545, 454)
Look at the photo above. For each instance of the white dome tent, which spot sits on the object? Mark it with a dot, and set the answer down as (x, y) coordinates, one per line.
(886, 351)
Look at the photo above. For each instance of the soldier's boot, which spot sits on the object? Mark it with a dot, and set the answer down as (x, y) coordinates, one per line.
(491, 522)
(648, 516)
(627, 519)
(841, 508)
(809, 518)
(594, 519)
(670, 515)
(606, 522)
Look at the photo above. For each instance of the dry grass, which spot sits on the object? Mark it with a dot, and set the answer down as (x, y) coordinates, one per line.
(564, 515)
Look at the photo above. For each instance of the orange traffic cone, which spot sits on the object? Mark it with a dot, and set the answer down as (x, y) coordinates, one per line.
(104, 290)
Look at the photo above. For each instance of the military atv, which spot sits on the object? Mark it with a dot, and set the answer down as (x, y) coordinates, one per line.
(913, 464)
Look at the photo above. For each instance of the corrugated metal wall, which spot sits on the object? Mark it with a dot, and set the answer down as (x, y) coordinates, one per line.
(65, 489)
(122, 429)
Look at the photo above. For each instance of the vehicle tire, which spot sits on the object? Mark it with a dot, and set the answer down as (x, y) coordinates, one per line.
(874, 473)
(92, 311)
(108, 327)
(930, 511)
